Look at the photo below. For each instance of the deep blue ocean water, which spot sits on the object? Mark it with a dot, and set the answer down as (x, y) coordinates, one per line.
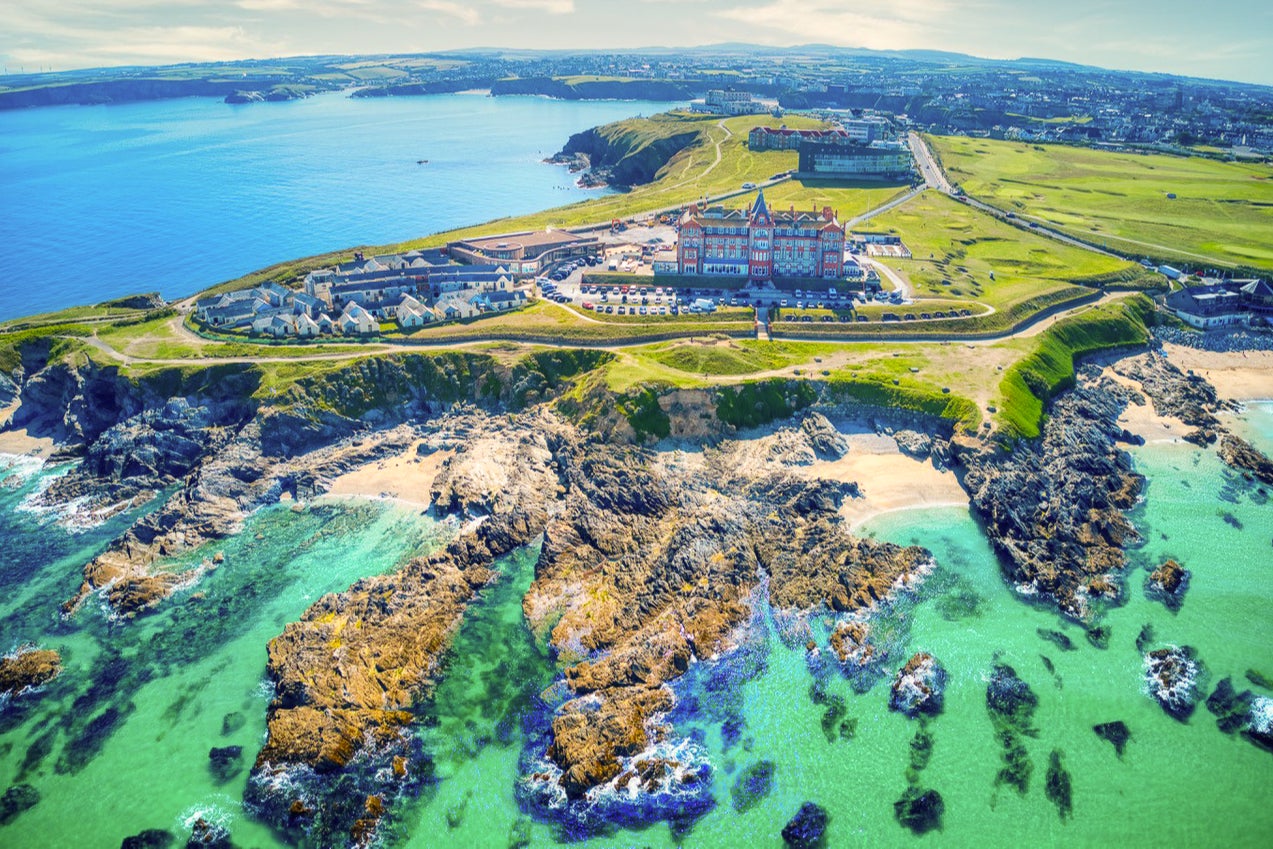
(177, 195)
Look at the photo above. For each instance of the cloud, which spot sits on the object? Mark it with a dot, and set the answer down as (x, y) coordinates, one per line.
(462, 12)
(552, 7)
(896, 24)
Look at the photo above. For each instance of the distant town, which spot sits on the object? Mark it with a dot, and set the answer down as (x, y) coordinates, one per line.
(1028, 99)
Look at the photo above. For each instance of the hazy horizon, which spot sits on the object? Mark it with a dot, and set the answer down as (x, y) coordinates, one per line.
(1160, 37)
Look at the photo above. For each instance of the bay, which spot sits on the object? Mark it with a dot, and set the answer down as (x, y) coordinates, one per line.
(178, 195)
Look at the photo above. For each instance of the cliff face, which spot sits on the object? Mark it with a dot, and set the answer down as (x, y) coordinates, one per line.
(627, 156)
(116, 91)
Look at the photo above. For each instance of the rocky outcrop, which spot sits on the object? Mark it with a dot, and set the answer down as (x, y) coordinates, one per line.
(28, 668)
(851, 643)
(1175, 679)
(347, 674)
(1055, 508)
(1190, 398)
(651, 565)
(1246, 458)
(918, 687)
(1175, 394)
(211, 504)
(1168, 584)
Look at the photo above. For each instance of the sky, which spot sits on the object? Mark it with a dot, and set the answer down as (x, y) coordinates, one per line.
(1225, 39)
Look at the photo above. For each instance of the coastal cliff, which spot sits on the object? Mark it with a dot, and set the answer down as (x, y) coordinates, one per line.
(628, 153)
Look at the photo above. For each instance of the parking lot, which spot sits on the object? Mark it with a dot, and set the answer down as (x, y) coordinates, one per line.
(568, 284)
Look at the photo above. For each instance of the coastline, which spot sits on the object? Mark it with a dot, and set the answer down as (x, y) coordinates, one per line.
(890, 480)
(1237, 376)
(406, 478)
(18, 441)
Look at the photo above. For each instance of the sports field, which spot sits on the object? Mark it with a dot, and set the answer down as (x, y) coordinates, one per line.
(1221, 214)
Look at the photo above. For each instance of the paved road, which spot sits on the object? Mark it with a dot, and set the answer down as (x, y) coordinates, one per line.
(928, 167)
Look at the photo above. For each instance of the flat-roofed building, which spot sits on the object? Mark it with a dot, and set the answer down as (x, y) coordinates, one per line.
(525, 253)
(880, 161)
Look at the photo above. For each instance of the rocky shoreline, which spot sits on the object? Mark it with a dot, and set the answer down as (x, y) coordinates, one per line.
(654, 563)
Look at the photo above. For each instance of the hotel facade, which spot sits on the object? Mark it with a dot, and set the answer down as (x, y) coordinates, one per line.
(759, 244)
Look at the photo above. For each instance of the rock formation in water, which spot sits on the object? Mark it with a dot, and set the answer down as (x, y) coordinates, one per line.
(918, 686)
(1055, 508)
(1116, 733)
(1011, 704)
(807, 828)
(1167, 584)
(1174, 676)
(28, 668)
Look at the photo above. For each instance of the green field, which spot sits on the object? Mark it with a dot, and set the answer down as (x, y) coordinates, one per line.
(956, 248)
(1222, 214)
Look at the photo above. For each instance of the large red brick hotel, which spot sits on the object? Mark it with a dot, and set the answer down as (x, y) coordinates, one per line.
(759, 244)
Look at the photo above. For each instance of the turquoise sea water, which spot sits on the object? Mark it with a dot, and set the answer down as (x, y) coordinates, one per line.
(176, 195)
(177, 680)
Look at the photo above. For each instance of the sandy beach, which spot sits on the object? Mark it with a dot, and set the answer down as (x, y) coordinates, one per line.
(889, 479)
(1238, 376)
(407, 477)
(19, 441)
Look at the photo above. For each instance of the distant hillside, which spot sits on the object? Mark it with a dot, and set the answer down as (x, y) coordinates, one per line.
(594, 88)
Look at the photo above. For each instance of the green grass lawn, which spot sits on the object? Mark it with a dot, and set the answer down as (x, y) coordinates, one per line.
(956, 248)
(1222, 213)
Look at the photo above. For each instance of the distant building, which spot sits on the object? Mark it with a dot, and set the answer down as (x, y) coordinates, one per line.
(785, 138)
(759, 244)
(723, 102)
(879, 161)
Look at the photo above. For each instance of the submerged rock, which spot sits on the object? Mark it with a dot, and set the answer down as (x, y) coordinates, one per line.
(807, 828)
(918, 687)
(1116, 733)
(1167, 584)
(1058, 786)
(28, 668)
(225, 762)
(1011, 705)
(1098, 636)
(151, 838)
(919, 810)
(1174, 678)
(1232, 709)
(16, 800)
(752, 785)
(1058, 639)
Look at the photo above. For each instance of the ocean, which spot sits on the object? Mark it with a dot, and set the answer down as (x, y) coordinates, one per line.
(177, 195)
(120, 742)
